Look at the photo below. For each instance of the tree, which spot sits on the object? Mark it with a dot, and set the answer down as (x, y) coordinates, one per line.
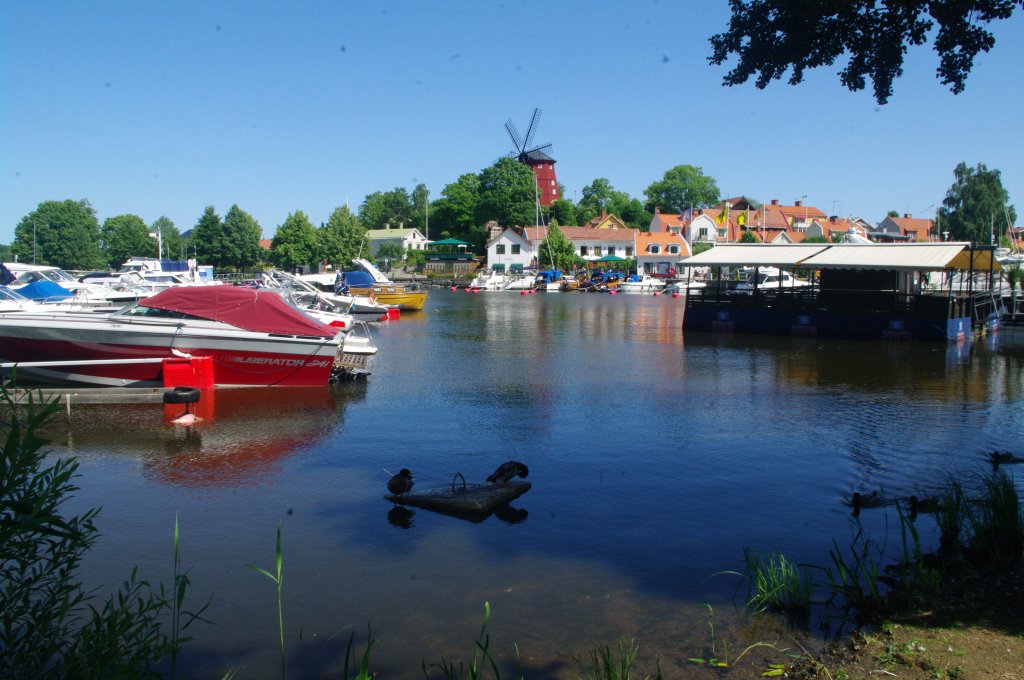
(557, 251)
(454, 214)
(207, 240)
(242, 234)
(893, 213)
(771, 36)
(341, 239)
(562, 212)
(420, 204)
(124, 237)
(507, 194)
(630, 210)
(749, 237)
(975, 205)
(295, 242)
(381, 209)
(595, 198)
(389, 253)
(170, 238)
(63, 234)
(682, 187)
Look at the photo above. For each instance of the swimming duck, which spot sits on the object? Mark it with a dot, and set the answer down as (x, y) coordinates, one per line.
(506, 471)
(401, 483)
(872, 499)
(1003, 458)
(922, 506)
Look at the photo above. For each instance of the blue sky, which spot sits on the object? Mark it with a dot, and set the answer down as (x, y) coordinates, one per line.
(162, 108)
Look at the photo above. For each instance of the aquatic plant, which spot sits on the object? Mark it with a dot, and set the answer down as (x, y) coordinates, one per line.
(278, 578)
(996, 526)
(855, 577)
(51, 626)
(457, 670)
(605, 663)
(776, 584)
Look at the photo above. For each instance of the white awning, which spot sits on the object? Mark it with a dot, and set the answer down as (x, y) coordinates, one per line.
(783, 256)
(901, 257)
(895, 256)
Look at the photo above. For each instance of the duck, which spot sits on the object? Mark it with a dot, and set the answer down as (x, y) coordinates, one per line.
(1004, 457)
(919, 506)
(872, 499)
(506, 471)
(401, 483)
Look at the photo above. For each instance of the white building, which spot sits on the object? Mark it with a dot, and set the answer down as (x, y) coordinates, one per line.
(409, 238)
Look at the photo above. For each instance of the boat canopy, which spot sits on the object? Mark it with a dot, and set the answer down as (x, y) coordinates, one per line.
(901, 256)
(44, 290)
(258, 310)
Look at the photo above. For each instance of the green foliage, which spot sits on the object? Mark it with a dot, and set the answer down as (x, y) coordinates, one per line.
(454, 214)
(172, 243)
(975, 204)
(749, 237)
(126, 236)
(49, 627)
(770, 37)
(995, 538)
(682, 187)
(208, 238)
(381, 209)
(295, 242)
(341, 239)
(420, 200)
(702, 246)
(776, 584)
(277, 576)
(63, 234)
(390, 251)
(558, 251)
(562, 212)
(240, 248)
(482, 658)
(507, 194)
(606, 663)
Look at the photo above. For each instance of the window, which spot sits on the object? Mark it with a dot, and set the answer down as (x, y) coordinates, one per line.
(583, 251)
(515, 248)
(611, 250)
(629, 252)
(674, 249)
(499, 249)
(654, 249)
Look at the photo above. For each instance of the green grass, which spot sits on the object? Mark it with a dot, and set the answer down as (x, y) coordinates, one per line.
(776, 584)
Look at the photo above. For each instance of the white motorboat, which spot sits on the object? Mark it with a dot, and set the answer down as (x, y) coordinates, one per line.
(254, 337)
(488, 280)
(641, 283)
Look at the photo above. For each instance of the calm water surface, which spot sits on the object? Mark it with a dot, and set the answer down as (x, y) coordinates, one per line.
(655, 460)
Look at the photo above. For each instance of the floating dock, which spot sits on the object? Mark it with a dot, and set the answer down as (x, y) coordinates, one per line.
(463, 499)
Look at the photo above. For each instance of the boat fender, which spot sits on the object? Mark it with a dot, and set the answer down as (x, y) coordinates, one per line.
(181, 395)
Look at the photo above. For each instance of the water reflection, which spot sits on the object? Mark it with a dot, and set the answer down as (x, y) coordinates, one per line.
(240, 437)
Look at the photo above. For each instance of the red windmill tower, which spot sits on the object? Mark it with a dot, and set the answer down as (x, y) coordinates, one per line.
(537, 158)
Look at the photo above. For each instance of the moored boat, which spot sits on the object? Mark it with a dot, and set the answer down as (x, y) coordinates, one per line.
(370, 281)
(641, 283)
(252, 336)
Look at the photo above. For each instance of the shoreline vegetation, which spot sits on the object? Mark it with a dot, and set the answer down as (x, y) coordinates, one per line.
(950, 613)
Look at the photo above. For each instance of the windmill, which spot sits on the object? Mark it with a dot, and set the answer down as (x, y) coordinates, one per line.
(537, 158)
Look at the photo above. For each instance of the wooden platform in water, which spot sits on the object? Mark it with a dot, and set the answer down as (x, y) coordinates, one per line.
(460, 499)
(90, 395)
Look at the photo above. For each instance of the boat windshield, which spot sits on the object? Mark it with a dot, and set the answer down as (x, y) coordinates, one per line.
(155, 312)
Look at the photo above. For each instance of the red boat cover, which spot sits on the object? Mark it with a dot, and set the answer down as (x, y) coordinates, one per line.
(263, 311)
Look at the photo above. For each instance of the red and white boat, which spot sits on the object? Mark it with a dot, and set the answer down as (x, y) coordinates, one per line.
(253, 337)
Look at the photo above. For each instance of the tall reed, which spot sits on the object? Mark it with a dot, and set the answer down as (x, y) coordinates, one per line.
(278, 578)
(996, 525)
(776, 584)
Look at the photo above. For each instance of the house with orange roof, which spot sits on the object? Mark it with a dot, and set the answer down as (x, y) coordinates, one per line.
(660, 253)
(835, 228)
(669, 222)
(915, 229)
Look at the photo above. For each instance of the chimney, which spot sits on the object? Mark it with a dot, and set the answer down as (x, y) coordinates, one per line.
(799, 203)
(657, 211)
(906, 215)
(833, 219)
(775, 201)
(604, 213)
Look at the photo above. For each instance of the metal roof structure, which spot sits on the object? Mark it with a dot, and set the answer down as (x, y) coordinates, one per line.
(901, 257)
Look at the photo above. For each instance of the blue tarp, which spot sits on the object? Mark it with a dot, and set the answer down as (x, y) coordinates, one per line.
(359, 279)
(43, 290)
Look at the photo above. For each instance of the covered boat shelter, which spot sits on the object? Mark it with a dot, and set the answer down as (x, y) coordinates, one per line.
(921, 291)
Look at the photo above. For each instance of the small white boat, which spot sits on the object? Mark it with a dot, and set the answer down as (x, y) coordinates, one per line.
(641, 283)
(488, 280)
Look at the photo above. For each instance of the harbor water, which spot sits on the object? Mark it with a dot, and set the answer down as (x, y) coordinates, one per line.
(656, 459)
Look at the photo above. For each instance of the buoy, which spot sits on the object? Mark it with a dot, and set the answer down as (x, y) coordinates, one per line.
(522, 292)
(532, 291)
(383, 317)
(657, 293)
(454, 287)
(612, 292)
(476, 290)
(675, 295)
